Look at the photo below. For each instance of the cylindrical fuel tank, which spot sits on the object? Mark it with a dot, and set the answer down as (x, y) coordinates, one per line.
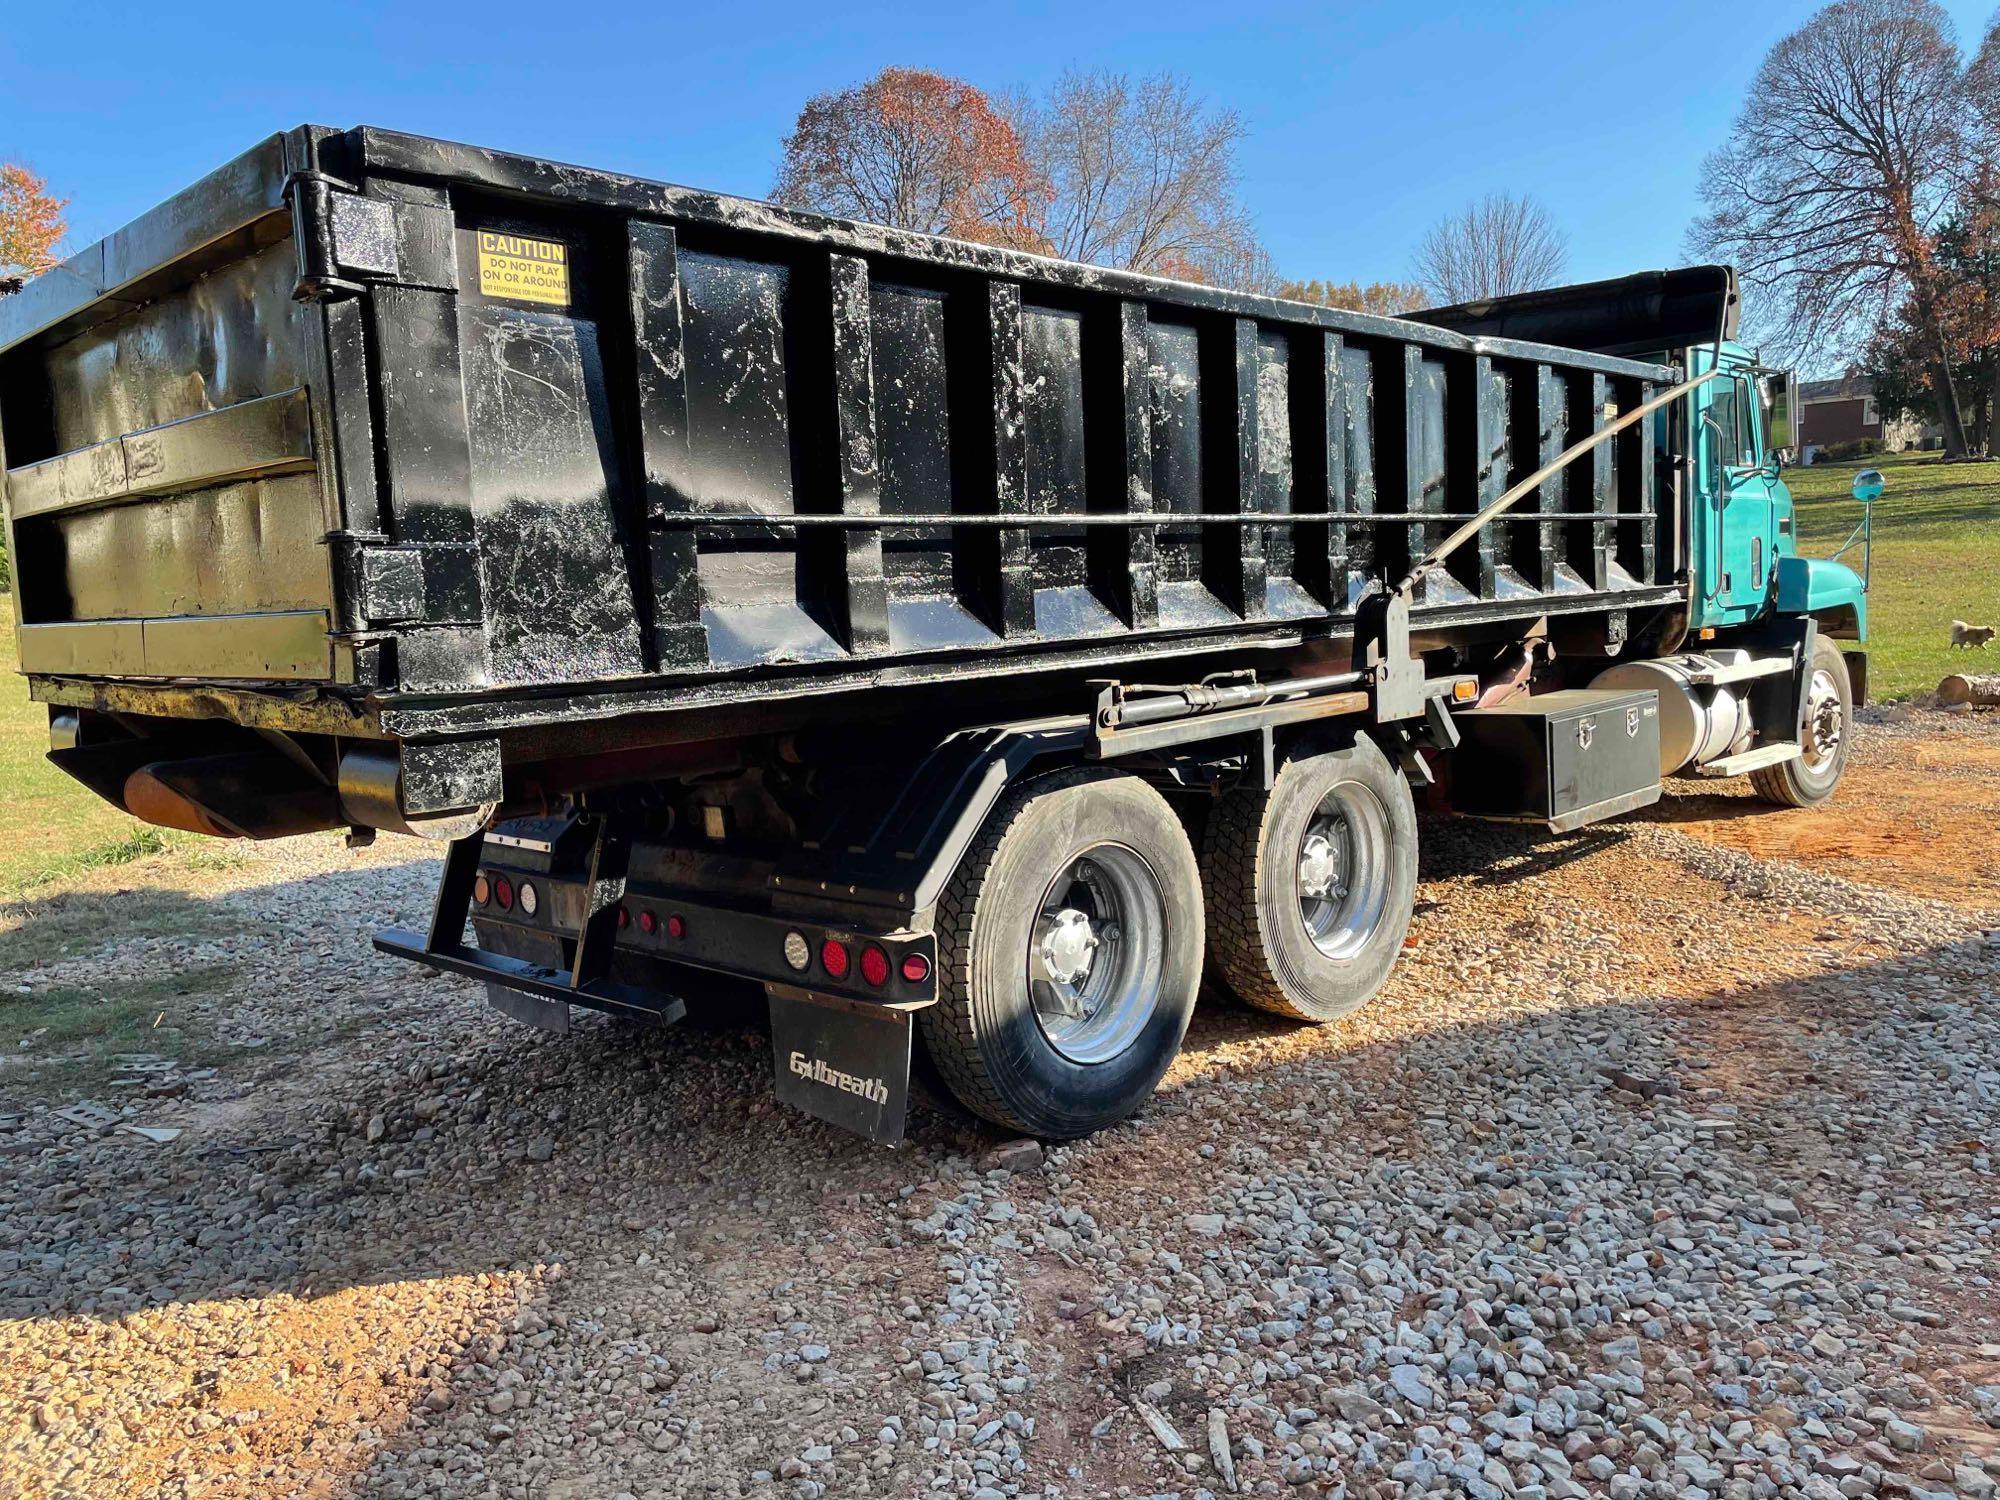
(1697, 723)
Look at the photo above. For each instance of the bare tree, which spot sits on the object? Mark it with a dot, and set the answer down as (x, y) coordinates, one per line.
(1846, 157)
(1979, 211)
(1142, 176)
(1241, 264)
(1502, 244)
(913, 150)
(1388, 298)
(1982, 90)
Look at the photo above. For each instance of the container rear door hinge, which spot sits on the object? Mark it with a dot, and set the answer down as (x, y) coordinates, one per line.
(344, 239)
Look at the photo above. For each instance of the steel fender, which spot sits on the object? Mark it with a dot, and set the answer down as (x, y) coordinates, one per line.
(1812, 586)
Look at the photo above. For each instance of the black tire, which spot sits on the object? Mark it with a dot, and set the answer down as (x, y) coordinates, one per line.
(986, 1037)
(1258, 938)
(1809, 780)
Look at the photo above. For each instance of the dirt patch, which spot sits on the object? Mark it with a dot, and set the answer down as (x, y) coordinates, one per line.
(224, 1394)
(1912, 814)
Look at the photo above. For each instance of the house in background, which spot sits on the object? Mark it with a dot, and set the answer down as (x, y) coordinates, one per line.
(1844, 411)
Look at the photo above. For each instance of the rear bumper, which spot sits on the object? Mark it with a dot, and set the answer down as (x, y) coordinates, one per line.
(675, 927)
(534, 979)
(841, 1042)
(598, 939)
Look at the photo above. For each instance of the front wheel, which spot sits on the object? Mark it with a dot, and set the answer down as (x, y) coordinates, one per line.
(1826, 733)
(1310, 885)
(1069, 946)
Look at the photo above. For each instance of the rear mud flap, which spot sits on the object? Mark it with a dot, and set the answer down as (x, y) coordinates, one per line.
(530, 1010)
(843, 1061)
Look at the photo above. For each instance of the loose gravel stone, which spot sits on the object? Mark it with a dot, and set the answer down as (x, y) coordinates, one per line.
(1663, 1168)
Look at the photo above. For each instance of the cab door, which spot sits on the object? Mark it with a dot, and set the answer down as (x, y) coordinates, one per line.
(1736, 522)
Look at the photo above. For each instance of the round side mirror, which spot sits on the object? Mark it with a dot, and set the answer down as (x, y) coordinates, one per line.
(1868, 486)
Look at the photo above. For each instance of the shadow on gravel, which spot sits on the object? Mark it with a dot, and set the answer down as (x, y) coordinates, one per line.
(37, 932)
(40, 930)
(444, 1145)
(1504, 854)
(427, 1154)
(190, 982)
(1706, 807)
(504, 1118)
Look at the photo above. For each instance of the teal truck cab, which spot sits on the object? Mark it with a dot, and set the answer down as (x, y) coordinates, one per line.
(1730, 434)
(1746, 566)
(1745, 534)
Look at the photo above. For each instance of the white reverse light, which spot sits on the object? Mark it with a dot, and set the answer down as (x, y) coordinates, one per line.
(798, 952)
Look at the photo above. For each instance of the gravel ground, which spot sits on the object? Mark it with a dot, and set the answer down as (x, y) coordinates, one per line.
(1665, 1168)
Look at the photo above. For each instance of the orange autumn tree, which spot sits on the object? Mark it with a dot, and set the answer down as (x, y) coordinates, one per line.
(31, 223)
(913, 150)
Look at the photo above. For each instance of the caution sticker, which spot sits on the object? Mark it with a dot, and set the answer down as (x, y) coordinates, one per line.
(523, 270)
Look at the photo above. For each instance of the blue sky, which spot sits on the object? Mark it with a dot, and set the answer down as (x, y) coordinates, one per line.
(1366, 122)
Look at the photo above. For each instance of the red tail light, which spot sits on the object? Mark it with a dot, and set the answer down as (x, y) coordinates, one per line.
(647, 922)
(916, 968)
(874, 965)
(833, 958)
(676, 926)
(503, 893)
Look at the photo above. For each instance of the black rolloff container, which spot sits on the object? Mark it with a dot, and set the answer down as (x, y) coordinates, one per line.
(383, 439)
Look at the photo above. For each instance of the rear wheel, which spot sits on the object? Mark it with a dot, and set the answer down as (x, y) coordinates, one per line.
(1069, 946)
(1309, 886)
(1826, 733)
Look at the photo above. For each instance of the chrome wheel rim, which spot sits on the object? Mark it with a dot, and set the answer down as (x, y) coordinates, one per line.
(1341, 870)
(1097, 953)
(1825, 725)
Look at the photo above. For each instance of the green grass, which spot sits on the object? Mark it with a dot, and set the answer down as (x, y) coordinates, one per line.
(50, 827)
(1937, 559)
(52, 923)
(71, 1038)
